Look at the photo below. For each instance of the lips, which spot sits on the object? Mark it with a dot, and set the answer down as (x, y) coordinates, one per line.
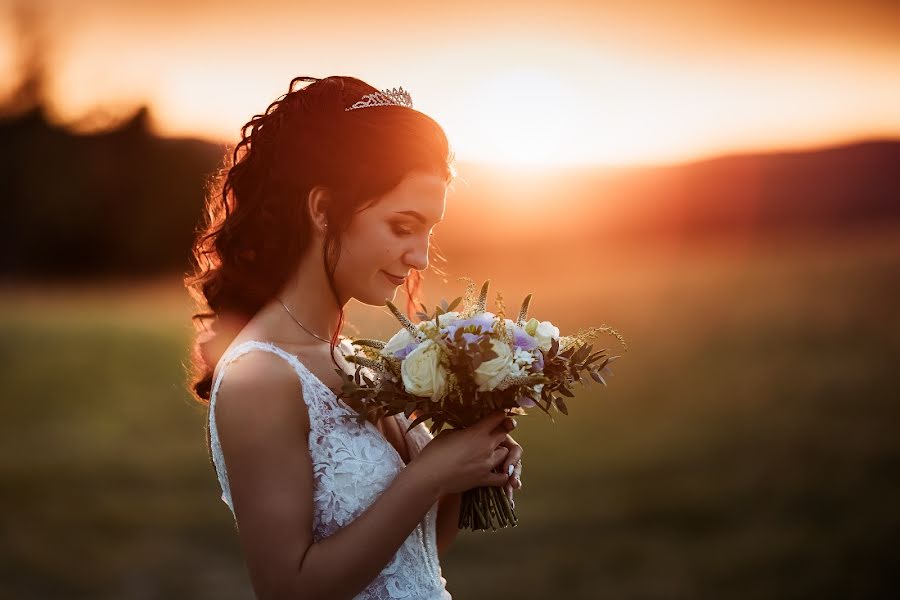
(393, 278)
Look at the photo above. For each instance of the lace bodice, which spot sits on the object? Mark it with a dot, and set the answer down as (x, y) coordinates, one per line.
(352, 465)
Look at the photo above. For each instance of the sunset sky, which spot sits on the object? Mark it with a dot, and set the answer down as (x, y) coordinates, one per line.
(511, 82)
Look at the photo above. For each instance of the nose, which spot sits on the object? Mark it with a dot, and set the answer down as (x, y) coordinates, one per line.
(417, 258)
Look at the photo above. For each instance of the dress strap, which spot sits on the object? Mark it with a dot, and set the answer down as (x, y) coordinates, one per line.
(307, 378)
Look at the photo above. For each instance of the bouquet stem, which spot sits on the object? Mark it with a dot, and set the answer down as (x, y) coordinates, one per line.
(484, 508)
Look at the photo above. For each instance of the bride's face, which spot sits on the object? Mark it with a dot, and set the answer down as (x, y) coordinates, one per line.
(390, 238)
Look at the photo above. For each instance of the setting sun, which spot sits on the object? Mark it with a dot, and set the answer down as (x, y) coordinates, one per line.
(519, 116)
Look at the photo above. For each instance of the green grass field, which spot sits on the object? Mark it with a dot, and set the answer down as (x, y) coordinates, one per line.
(747, 446)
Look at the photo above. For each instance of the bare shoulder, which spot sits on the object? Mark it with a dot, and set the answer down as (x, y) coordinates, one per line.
(260, 390)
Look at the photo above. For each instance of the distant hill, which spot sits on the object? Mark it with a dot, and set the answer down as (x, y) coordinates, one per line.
(828, 190)
(126, 202)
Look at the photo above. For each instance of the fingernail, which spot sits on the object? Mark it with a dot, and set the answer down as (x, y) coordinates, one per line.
(509, 470)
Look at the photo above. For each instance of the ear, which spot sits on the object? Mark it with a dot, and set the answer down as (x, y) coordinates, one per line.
(318, 201)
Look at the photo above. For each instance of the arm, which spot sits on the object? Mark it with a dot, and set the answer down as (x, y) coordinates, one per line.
(263, 426)
(447, 521)
(447, 526)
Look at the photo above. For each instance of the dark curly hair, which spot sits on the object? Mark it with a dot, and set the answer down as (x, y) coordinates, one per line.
(257, 227)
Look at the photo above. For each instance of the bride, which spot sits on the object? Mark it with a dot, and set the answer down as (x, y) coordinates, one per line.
(332, 194)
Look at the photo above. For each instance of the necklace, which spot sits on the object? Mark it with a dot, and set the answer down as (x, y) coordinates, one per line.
(301, 324)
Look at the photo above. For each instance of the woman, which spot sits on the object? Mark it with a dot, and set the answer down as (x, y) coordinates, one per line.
(332, 194)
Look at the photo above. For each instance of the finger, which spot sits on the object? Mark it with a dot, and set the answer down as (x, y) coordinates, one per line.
(496, 479)
(505, 426)
(492, 420)
(501, 432)
(497, 458)
(515, 455)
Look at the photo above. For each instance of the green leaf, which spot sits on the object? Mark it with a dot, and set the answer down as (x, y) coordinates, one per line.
(436, 425)
(561, 405)
(580, 354)
(598, 377)
(422, 418)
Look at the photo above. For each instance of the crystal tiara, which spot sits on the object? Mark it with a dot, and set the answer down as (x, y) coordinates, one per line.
(396, 96)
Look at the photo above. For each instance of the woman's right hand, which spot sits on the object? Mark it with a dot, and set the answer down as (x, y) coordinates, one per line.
(461, 459)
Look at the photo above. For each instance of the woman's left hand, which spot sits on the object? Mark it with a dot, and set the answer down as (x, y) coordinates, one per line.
(514, 459)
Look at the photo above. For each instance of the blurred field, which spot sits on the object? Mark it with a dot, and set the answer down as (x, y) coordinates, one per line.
(746, 448)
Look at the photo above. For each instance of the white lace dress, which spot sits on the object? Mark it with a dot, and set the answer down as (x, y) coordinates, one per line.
(352, 465)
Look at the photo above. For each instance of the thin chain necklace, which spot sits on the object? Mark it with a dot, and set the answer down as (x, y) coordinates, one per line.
(301, 324)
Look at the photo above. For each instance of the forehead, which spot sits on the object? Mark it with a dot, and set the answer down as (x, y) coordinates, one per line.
(422, 193)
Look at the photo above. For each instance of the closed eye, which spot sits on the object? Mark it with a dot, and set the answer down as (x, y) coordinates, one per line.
(405, 231)
(402, 231)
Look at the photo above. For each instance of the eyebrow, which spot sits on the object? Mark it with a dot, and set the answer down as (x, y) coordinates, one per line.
(413, 213)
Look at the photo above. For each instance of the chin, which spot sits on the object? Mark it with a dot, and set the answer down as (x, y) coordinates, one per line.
(376, 295)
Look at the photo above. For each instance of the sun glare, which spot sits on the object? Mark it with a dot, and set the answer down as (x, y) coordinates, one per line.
(519, 117)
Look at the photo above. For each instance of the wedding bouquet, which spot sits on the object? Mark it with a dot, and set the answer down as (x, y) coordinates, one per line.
(457, 366)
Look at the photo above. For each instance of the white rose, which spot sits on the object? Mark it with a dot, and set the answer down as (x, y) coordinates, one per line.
(422, 371)
(401, 340)
(544, 333)
(491, 372)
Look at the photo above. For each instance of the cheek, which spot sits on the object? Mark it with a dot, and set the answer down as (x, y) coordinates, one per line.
(370, 248)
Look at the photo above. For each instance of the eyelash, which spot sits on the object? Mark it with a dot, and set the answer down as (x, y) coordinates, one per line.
(403, 231)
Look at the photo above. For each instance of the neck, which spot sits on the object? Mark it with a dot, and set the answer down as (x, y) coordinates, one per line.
(309, 297)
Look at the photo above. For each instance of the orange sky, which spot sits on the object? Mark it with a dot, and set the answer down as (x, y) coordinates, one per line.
(513, 82)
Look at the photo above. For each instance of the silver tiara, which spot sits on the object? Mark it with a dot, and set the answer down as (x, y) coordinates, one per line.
(396, 96)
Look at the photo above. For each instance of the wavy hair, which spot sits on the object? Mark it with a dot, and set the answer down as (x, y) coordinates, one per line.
(256, 225)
